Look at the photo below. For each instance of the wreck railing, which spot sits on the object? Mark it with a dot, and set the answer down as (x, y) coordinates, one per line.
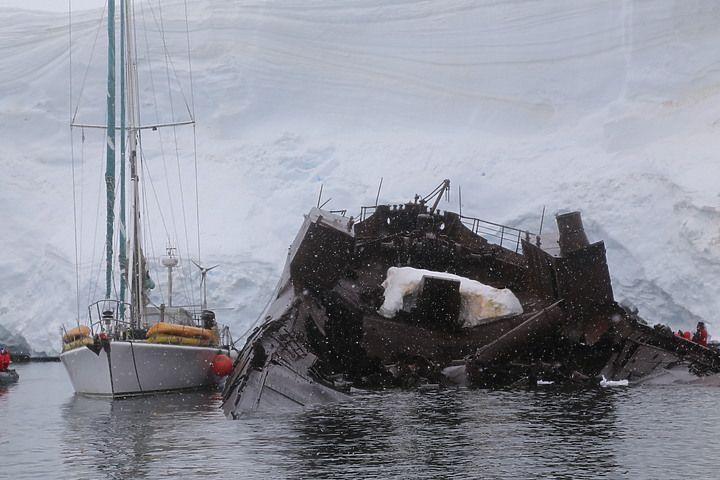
(503, 235)
(366, 212)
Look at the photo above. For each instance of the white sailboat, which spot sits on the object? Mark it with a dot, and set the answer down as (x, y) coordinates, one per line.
(130, 345)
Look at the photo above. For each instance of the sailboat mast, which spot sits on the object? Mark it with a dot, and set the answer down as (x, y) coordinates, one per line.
(138, 267)
(138, 260)
(122, 256)
(110, 143)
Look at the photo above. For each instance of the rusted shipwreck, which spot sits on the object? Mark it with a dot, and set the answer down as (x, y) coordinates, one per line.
(392, 300)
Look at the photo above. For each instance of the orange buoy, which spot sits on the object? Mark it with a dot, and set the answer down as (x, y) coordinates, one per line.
(222, 365)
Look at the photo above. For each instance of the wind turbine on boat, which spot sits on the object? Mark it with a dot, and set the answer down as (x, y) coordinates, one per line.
(203, 284)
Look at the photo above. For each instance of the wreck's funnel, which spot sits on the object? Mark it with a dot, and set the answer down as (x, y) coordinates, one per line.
(572, 234)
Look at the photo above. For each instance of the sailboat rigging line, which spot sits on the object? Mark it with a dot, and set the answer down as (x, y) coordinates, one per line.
(89, 61)
(155, 103)
(194, 137)
(74, 186)
(75, 228)
(189, 58)
(70, 75)
(146, 224)
(170, 66)
(152, 83)
(96, 270)
(147, 227)
(261, 315)
(149, 180)
(183, 208)
(74, 109)
(197, 196)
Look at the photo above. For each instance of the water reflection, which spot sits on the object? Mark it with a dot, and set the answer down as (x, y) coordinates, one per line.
(579, 412)
(438, 426)
(334, 438)
(565, 425)
(668, 430)
(459, 434)
(390, 435)
(6, 387)
(130, 438)
(642, 433)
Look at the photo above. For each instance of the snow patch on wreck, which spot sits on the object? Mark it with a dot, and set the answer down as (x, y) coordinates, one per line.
(479, 303)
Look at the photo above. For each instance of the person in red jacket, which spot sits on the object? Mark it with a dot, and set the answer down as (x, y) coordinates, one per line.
(4, 359)
(701, 335)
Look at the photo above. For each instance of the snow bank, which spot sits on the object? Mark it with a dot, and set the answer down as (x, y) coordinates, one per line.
(479, 303)
(606, 107)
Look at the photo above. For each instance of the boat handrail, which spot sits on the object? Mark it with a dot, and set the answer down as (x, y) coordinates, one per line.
(226, 337)
(503, 235)
(109, 316)
(104, 316)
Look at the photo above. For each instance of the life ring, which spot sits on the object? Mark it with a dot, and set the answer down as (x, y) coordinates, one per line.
(179, 330)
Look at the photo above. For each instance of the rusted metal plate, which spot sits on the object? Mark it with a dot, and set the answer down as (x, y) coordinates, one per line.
(324, 333)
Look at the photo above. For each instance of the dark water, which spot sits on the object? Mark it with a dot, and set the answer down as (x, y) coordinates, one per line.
(633, 432)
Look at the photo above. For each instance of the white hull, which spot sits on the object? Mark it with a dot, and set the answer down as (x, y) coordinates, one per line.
(139, 368)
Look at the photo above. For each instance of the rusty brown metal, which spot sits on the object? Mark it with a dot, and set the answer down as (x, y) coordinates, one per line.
(323, 334)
